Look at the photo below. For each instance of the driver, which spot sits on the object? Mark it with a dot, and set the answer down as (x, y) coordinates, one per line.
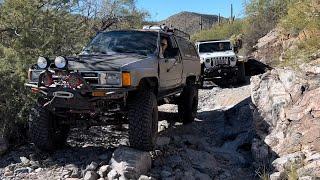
(221, 47)
(163, 48)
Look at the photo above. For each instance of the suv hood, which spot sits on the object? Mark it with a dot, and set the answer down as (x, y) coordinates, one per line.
(103, 62)
(218, 54)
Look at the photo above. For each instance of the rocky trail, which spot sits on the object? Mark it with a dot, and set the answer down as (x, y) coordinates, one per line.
(216, 146)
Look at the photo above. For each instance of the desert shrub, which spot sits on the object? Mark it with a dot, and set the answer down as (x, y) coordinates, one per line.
(302, 21)
(261, 17)
(222, 31)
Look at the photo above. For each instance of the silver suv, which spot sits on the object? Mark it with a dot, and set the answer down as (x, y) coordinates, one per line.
(120, 77)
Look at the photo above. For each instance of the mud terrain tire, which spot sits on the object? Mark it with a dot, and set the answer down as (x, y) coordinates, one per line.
(143, 120)
(188, 104)
(43, 133)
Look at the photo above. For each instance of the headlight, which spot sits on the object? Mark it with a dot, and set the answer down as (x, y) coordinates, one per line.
(232, 58)
(207, 60)
(42, 62)
(60, 62)
(110, 78)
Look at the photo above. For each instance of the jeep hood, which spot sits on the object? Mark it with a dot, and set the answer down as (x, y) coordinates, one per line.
(103, 62)
(218, 54)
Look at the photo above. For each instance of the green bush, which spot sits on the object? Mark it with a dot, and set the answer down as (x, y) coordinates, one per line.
(14, 101)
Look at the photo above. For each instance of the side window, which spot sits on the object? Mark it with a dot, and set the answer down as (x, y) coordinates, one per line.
(192, 50)
(184, 46)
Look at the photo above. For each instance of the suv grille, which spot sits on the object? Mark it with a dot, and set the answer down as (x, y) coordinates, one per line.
(220, 61)
(90, 77)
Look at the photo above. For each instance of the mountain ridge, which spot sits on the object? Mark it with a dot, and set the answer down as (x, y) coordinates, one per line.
(190, 22)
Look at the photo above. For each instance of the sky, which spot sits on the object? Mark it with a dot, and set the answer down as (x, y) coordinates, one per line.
(162, 9)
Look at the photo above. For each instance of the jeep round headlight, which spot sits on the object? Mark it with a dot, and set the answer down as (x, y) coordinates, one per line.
(232, 58)
(110, 78)
(207, 60)
(42, 62)
(60, 62)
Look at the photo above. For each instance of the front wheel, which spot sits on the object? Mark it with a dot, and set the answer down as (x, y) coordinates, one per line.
(43, 129)
(143, 120)
(188, 104)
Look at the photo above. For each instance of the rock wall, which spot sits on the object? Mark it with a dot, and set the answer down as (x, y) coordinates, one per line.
(287, 119)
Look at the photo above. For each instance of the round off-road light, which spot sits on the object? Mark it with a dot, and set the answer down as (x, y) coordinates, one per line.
(42, 62)
(60, 62)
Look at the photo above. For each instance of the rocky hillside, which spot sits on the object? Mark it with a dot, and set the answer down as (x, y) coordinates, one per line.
(190, 21)
(287, 120)
(278, 48)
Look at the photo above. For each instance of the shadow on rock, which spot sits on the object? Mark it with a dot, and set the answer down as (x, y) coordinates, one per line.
(218, 145)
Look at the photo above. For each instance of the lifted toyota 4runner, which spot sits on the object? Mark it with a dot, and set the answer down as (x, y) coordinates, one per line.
(219, 60)
(121, 76)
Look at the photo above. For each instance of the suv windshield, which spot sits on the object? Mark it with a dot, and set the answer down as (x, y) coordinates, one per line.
(214, 47)
(143, 43)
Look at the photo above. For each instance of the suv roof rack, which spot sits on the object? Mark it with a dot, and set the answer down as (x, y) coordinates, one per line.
(167, 29)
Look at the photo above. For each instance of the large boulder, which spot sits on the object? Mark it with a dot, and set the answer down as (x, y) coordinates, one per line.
(128, 163)
(287, 117)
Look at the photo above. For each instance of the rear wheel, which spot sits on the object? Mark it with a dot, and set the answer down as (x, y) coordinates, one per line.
(188, 104)
(143, 120)
(44, 131)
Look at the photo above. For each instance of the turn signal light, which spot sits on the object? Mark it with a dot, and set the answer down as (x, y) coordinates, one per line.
(98, 93)
(126, 79)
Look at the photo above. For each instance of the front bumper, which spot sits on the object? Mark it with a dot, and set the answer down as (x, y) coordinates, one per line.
(220, 71)
(79, 101)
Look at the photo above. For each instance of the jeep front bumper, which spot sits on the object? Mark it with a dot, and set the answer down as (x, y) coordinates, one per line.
(221, 71)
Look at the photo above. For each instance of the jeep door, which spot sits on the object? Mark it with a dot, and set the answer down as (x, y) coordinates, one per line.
(170, 65)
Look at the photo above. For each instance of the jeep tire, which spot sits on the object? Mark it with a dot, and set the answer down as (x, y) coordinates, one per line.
(241, 76)
(43, 132)
(143, 120)
(188, 103)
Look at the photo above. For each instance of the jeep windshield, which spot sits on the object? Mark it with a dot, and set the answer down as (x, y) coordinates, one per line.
(214, 47)
(113, 42)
